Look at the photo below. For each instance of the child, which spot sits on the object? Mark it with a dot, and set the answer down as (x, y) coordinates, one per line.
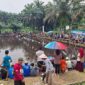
(63, 65)
(10, 72)
(69, 64)
(6, 61)
(18, 73)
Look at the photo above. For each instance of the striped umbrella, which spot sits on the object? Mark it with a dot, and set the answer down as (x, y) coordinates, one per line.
(56, 45)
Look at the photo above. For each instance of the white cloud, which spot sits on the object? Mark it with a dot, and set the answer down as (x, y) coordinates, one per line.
(15, 6)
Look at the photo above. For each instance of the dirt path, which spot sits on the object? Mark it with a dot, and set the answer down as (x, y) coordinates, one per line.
(28, 81)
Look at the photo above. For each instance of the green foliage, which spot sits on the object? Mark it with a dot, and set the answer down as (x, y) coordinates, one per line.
(52, 15)
(16, 27)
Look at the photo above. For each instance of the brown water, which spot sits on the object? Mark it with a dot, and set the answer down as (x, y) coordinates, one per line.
(15, 54)
(17, 48)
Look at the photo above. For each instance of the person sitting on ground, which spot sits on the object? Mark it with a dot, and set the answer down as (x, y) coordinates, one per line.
(74, 62)
(4, 73)
(63, 65)
(33, 70)
(18, 73)
(26, 69)
(10, 71)
(79, 66)
(69, 64)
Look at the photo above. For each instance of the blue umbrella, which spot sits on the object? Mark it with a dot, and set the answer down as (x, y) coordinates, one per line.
(49, 32)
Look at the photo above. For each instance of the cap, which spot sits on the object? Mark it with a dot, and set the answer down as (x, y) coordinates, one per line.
(20, 59)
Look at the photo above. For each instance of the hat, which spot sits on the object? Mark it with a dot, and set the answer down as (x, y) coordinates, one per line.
(39, 52)
(20, 59)
(43, 56)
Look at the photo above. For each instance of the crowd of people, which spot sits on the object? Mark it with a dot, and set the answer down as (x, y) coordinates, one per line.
(43, 66)
(77, 38)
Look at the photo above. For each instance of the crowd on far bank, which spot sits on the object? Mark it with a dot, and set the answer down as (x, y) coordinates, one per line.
(44, 66)
(75, 38)
(69, 37)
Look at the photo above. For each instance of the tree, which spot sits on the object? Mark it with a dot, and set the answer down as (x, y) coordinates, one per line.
(33, 14)
(58, 14)
(16, 27)
(77, 12)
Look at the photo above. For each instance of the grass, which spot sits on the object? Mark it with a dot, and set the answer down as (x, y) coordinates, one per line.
(25, 30)
(6, 30)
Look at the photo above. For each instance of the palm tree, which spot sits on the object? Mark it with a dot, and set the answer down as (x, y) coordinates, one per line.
(33, 14)
(77, 12)
(58, 13)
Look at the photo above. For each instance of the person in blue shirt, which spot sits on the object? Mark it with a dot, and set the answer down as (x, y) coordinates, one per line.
(6, 60)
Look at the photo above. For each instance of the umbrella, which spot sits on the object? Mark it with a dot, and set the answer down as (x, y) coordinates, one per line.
(56, 45)
(49, 32)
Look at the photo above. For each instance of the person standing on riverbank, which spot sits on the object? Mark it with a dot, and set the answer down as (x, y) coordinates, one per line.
(6, 62)
(57, 59)
(18, 73)
(63, 65)
(81, 54)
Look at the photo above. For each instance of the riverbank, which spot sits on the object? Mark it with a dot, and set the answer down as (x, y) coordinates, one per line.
(68, 78)
(28, 81)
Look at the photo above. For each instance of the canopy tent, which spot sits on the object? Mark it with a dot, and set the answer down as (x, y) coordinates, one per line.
(78, 32)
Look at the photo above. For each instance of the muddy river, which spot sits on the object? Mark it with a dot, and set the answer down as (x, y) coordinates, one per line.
(21, 47)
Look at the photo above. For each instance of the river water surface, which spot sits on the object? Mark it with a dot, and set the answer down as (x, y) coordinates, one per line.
(18, 47)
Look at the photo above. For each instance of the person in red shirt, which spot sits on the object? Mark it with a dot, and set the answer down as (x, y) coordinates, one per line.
(81, 51)
(18, 73)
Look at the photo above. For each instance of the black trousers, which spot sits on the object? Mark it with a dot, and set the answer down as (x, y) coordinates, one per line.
(57, 68)
(19, 82)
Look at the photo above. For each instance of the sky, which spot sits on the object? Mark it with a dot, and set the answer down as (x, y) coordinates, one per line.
(15, 6)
